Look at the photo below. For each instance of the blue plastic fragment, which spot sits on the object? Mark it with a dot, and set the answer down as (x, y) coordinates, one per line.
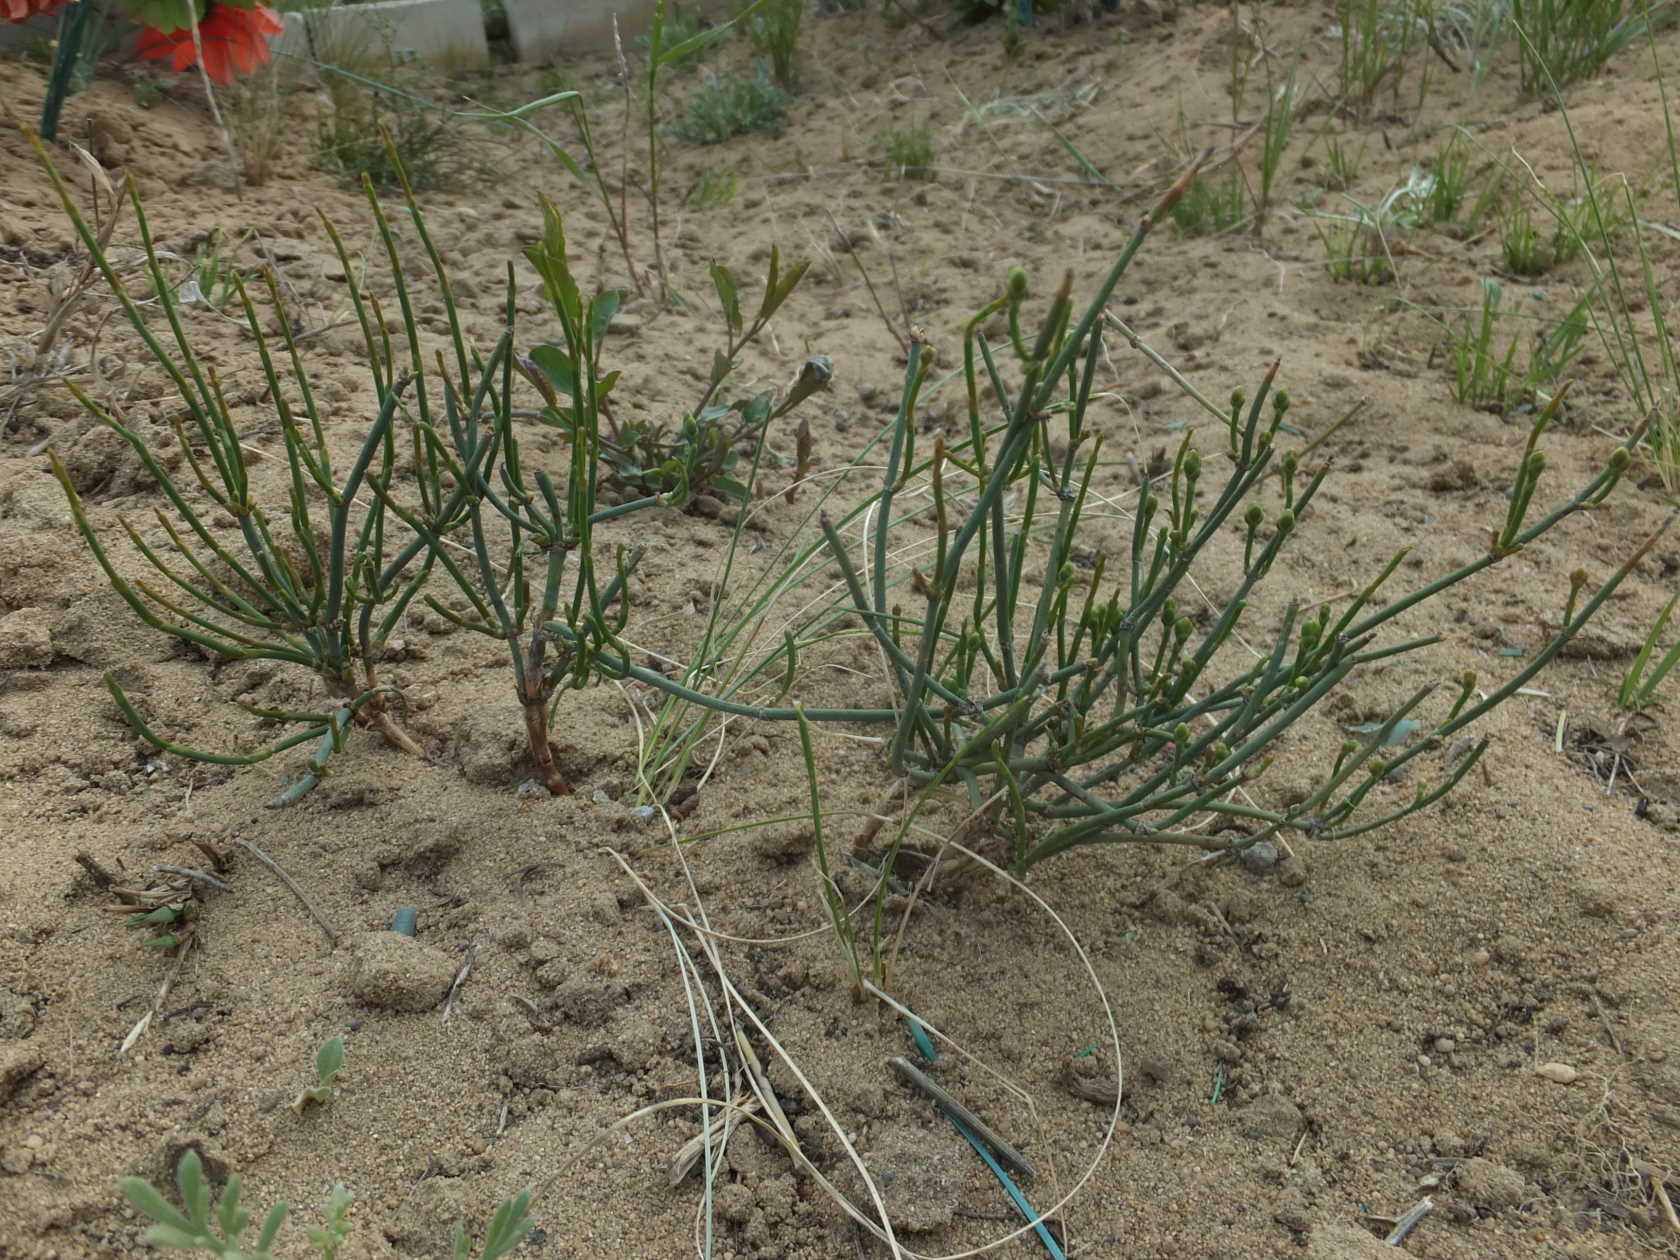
(924, 1045)
(405, 920)
(1013, 1191)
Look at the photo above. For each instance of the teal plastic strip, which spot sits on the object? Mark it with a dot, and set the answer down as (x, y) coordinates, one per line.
(924, 1046)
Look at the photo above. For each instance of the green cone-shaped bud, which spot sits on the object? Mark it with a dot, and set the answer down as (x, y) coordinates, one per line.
(1017, 284)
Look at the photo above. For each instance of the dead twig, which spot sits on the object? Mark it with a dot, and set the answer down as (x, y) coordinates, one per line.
(139, 1029)
(100, 875)
(1604, 1019)
(847, 243)
(321, 919)
(1006, 1154)
(1407, 1223)
(460, 979)
(201, 876)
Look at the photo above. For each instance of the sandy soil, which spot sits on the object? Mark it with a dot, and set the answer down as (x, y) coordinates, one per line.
(1308, 1050)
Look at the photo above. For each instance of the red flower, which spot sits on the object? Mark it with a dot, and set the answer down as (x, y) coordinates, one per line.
(23, 10)
(232, 38)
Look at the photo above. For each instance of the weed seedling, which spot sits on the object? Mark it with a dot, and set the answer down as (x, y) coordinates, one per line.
(329, 1238)
(171, 924)
(1565, 41)
(1481, 375)
(215, 276)
(1556, 348)
(713, 189)
(1212, 207)
(697, 38)
(328, 1060)
(909, 151)
(1376, 40)
(772, 27)
(1280, 121)
(1341, 164)
(1523, 249)
(1638, 685)
(1449, 181)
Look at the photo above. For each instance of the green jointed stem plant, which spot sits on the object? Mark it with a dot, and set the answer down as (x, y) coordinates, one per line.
(1082, 707)
(1095, 714)
(317, 580)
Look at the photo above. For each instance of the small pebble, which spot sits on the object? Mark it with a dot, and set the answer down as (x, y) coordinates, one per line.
(1445, 1045)
(1259, 858)
(1557, 1073)
(531, 788)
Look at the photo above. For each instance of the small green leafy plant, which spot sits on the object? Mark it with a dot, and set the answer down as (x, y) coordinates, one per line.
(1358, 242)
(1067, 702)
(315, 580)
(214, 274)
(730, 105)
(700, 453)
(219, 1227)
(328, 1060)
(380, 125)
